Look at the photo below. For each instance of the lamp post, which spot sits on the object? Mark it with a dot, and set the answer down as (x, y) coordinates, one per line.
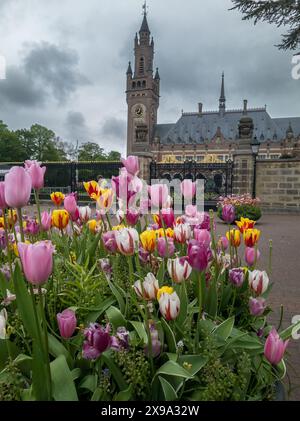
(255, 149)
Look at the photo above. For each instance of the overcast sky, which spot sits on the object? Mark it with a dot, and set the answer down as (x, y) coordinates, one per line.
(67, 59)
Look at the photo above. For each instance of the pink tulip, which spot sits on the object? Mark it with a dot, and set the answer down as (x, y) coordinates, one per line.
(131, 164)
(109, 241)
(158, 194)
(168, 217)
(66, 323)
(32, 227)
(132, 216)
(203, 236)
(165, 248)
(97, 340)
(70, 203)
(37, 261)
(46, 221)
(18, 186)
(257, 306)
(199, 255)
(223, 243)
(252, 255)
(188, 189)
(3, 203)
(37, 173)
(274, 347)
(75, 215)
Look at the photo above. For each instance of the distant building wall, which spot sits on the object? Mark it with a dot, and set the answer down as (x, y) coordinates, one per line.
(278, 184)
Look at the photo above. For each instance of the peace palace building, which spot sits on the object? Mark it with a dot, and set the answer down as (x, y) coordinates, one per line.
(203, 136)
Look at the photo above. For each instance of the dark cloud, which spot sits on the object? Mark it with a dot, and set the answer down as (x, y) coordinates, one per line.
(76, 126)
(55, 69)
(113, 128)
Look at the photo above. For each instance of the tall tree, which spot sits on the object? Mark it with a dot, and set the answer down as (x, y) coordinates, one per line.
(114, 156)
(11, 147)
(91, 151)
(280, 12)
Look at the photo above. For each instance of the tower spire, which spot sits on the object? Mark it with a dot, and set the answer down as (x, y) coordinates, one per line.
(145, 26)
(222, 100)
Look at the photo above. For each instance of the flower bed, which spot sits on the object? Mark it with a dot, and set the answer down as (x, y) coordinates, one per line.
(245, 206)
(138, 308)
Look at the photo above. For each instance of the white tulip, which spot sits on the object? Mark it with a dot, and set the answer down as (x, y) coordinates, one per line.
(179, 269)
(169, 305)
(3, 319)
(258, 281)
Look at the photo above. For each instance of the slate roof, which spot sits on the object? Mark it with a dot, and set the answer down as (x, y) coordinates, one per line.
(193, 128)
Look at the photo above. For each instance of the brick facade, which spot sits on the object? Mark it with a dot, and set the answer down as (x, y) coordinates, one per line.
(278, 185)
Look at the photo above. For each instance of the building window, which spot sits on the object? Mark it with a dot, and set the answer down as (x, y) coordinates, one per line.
(226, 157)
(189, 157)
(178, 157)
(262, 156)
(133, 85)
(142, 66)
(274, 156)
(139, 84)
(144, 84)
(200, 158)
(220, 157)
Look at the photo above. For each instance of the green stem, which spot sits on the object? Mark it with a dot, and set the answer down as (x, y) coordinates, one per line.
(37, 201)
(19, 210)
(7, 241)
(270, 256)
(108, 220)
(45, 341)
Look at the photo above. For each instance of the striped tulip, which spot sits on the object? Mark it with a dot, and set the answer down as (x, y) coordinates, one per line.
(60, 219)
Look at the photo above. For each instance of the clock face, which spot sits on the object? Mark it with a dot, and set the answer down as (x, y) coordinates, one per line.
(139, 111)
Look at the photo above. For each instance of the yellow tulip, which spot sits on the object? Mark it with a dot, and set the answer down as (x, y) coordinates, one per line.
(234, 237)
(105, 199)
(148, 240)
(1, 222)
(60, 218)
(161, 232)
(251, 237)
(245, 223)
(118, 227)
(12, 217)
(92, 224)
(166, 290)
(57, 198)
(93, 189)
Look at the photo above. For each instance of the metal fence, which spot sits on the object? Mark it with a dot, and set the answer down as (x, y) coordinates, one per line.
(69, 176)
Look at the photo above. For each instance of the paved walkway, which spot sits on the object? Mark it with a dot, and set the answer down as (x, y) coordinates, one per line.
(284, 230)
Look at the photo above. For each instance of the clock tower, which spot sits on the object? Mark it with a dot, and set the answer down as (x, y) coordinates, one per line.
(142, 94)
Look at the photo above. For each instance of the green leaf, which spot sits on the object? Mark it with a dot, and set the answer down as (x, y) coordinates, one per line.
(287, 333)
(92, 248)
(89, 382)
(56, 349)
(139, 327)
(196, 361)
(96, 312)
(62, 382)
(115, 371)
(160, 276)
(118, 296)
(171, 368)
(40, 388)
(124, 395)
(168, 390)
(115, 317)
(224, 329)
(169, 335)
(211, 304)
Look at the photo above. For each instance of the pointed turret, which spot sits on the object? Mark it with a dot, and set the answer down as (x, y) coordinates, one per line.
(157, 77)
(129, 70)
(289, 132)
(145, 26)
(222, 100)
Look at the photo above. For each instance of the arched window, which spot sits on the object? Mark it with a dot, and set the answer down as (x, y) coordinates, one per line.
(142, 66)
(133, 85)
(139, 84)
(144, 84)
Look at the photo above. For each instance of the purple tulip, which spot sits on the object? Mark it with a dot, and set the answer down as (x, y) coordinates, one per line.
(228, 213)
(3, 242)
(165, 248)
(223, 243)
(120, 340)
(37, 261)
(32, 227)
(106, 267)
(37, 173)
(155, 342)
(17, 187)
(3, 204)
(204, 221)
(199, 255)
(132, 216)
(237, 277)
(97, 340)
(202, 236)
(66, 323)
(131, 164)
(109, 241)
(257, 306)
(5, 270)
(143, 255)
(274, 347)
(70, 203)
(252, 255)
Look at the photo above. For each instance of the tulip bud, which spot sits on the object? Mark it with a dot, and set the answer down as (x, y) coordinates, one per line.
(199, 255)
(148, 240)
(182, 233)
(60, 218)
(109, 241)
(165, 247)
(132, 216)
(143, 255)
(188, 189)
(131, 164)
(274, 347)
(3, 204)
(36, 173)
(237, 277)
(169, 305)
(66, 323)
(46, 221)
(85, 213)
(251, 255)
(251, 237)
(127, 241)
(228, 214)
(223, 244)
(234, 237)
(179, 269)
(17, 187)
(202, 236)
(257, 306)
(148, 289)
(37, 261)
(70, 203)
(258, 281)
(57, 198)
